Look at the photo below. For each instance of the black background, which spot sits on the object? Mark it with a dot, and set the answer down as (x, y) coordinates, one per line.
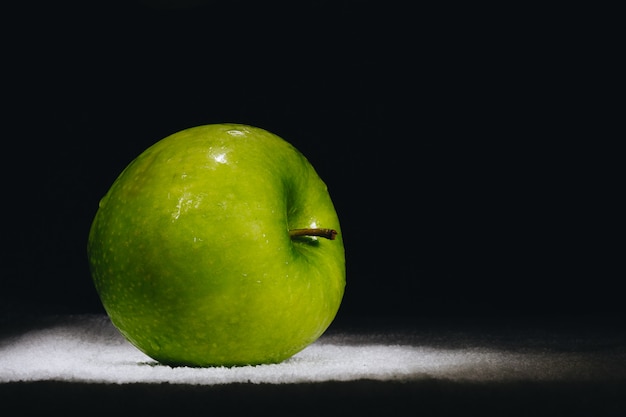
(465, 149)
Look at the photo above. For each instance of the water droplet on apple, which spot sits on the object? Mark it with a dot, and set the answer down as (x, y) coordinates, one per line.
(103, 201)
(235, 132)
(220, 158)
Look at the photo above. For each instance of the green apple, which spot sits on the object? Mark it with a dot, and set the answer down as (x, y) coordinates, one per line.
(218, 246)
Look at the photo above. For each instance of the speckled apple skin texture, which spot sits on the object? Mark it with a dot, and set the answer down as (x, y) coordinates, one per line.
(191, 256)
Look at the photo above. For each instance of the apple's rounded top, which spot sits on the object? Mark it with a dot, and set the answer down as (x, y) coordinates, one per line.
(228, 138)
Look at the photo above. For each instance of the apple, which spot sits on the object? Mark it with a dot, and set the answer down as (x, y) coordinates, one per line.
(219, 245)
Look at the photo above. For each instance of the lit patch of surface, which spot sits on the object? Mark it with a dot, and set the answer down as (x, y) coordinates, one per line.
(89, 349)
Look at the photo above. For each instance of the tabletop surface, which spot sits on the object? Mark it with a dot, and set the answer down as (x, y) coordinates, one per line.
(555, 362)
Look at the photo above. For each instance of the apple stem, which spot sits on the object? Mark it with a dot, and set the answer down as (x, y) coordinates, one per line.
(325, 233)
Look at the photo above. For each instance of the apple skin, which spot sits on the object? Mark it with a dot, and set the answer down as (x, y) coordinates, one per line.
(191, 255)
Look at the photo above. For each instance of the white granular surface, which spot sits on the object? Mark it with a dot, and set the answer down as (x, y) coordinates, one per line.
(88, 348)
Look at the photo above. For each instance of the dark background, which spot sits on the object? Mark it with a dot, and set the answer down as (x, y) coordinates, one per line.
(466, 150)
